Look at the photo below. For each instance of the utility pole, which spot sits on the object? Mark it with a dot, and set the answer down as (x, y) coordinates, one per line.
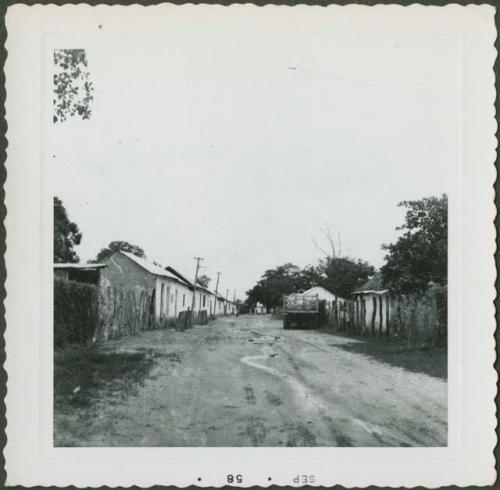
(193, 303)
(216, 291)
(227, 300)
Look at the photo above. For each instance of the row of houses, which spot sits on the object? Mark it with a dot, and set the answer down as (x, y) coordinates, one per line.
(137, 294)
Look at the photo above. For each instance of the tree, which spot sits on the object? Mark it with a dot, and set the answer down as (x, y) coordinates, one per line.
(331, 249)
(203, 280)
(119, 245)
(420, 256)
(275, 283)
(339, 275)
(310, 276)
(73, 90)
(66, 235)
(338, 272)
(343, 275)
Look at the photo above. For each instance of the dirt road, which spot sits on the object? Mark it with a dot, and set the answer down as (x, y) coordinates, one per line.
(247, 382)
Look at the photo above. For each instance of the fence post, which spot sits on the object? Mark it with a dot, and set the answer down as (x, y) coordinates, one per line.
(358, 314)
(412, 308)
(381, 315)
(335, 315)
(339, 316)
(402, 327)
(354, 315)
(387, 314)
(374, 314)
(348, 317)
(363, 315)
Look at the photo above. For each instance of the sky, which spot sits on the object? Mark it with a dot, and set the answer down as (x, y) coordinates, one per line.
(240, 149)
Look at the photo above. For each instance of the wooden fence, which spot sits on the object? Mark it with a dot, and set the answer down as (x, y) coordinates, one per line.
(124, 313)
(421, 320)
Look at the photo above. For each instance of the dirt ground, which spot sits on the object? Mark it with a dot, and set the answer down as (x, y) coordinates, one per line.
(244, 381)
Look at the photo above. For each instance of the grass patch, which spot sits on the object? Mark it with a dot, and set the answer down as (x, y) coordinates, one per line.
(428, 360)
(81, 374)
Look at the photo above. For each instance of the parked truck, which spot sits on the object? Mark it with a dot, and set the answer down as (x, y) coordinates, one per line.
(301, 311)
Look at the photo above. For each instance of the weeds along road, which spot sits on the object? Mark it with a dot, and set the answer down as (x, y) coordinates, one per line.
(244, 381)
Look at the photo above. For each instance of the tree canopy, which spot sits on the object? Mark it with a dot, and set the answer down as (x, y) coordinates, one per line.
(203, 280)
(274, 283)
(66, 235)
(340, 275)
(416, 260)
(343, 275)
(73, 90)
(119, 245)
(420, 256)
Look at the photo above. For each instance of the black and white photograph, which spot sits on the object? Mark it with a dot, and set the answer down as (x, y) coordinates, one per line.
(250, 242)
(252, 229)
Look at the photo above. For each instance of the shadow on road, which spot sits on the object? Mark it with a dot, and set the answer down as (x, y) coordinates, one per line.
(81, 374)
(432, 361)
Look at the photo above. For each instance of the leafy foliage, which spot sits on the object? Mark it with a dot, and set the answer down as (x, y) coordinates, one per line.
(275, 283)
(343, 275)
(203, 280)
(419, 257)
(75, 312)
(340, 275)
(421, 318)
(66, 235)
(73, 90)
(119, 245)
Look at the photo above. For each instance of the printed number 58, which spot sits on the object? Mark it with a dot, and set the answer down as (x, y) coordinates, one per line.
(234, 478)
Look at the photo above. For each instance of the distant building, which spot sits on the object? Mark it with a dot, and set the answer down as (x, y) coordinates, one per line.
(230, 307)
(204, 297)
(206, 301)
(324, 295)
(260, 308)
(331, 299)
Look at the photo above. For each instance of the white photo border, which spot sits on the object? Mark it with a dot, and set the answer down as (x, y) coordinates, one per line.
(30, 457)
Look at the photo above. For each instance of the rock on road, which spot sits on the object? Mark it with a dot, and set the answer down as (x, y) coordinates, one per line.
(244, 381)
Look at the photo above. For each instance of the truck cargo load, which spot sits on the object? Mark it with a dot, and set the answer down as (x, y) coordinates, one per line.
(301, 311)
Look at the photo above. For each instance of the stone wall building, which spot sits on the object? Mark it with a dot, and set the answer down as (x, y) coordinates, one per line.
(137, 294)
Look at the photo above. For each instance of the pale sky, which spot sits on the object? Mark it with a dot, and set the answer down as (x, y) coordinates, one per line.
(239, 149)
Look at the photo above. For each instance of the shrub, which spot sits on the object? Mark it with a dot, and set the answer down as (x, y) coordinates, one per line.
(422, 318)
(75, 312)
(441, 298)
